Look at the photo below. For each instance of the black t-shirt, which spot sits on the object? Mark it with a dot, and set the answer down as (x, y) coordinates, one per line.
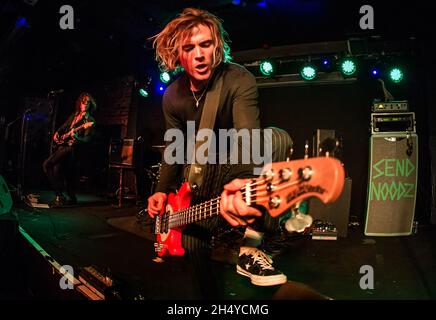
(238, 108)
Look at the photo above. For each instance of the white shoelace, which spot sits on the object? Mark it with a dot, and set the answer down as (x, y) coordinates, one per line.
(263, 260)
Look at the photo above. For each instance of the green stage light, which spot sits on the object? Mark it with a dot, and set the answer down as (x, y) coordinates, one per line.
(266, 68)
(308, 72)
(165, 77)
(143, 92)
(396, 75)
(348, 67)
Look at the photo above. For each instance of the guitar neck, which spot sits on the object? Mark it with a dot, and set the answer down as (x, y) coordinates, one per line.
(280, 186)
(195, 213)
(73, 130)
(205, 210)
(78, 128)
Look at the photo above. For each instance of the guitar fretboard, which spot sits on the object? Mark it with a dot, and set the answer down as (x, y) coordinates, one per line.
(195, 213)
(198, 212)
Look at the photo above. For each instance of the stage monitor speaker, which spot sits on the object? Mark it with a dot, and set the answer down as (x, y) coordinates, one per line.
(338, 212)
(121, 152)
(392, 183)
(5, 197)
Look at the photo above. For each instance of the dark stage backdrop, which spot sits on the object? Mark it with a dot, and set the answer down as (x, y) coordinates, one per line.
(345, 108)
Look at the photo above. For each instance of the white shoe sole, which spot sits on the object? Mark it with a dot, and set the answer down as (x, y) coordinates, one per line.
(263, 280)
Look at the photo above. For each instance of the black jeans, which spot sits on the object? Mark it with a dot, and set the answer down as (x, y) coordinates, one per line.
(59, 168)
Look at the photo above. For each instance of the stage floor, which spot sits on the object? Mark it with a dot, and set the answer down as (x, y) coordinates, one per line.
(89, 234)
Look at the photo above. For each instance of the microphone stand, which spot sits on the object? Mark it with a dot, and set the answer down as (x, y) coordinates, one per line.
(23, 149)
(53, 115)
(6, 138)
(2, 141)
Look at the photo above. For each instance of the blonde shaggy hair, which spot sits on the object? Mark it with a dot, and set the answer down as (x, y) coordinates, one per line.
(168, 41)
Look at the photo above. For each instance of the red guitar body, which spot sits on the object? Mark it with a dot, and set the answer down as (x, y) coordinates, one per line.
(171, 242)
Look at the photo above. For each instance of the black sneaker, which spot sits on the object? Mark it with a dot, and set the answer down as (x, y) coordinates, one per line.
(256, 265)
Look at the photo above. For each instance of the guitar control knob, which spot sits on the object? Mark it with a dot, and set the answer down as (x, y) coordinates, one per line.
(274, 202)
(305, 173)
(269, 175)
(285, 174)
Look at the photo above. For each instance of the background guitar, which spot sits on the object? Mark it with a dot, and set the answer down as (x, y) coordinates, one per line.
(68, 136)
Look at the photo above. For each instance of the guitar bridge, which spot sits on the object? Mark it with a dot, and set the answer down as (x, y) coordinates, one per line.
(247, 194)
(157, 225)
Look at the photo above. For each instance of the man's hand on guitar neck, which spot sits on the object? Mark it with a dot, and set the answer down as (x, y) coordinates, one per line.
(156, 203)
(233, 208)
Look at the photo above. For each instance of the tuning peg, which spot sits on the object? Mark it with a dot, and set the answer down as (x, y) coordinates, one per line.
(285, 174)
(268, 175)
(274, 202)
(305, 173)
(306, 149)
(291, 151)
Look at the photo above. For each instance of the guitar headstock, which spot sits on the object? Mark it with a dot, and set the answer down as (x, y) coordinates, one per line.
(283, 184)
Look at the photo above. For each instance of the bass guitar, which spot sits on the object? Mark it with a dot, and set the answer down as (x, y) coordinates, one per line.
(280, 186)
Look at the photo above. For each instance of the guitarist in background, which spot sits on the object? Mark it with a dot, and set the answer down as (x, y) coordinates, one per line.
(196, 41)
(59, 166)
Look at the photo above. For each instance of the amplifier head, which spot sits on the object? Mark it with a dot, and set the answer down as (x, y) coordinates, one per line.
(393, 122)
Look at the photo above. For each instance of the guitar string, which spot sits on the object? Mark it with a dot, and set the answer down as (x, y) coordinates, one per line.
(194, 212)
(202, 209)
(256, 190)
(207, 208)
(209, 201)
(205, 203)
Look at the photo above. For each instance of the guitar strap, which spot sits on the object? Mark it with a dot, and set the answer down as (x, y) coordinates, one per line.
(196, 171)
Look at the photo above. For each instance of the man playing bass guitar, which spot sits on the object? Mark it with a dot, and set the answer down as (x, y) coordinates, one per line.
(74, 133)
(196, 41)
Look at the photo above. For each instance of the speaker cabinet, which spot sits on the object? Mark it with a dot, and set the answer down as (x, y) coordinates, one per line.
(392, 183)
(121, 152)
(338, 212)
